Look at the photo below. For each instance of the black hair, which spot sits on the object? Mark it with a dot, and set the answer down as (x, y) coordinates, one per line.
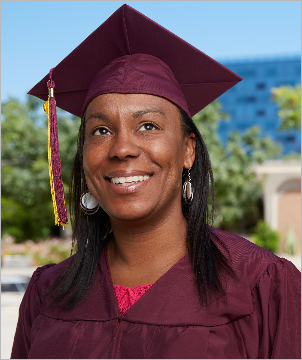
(90, 232)
(208, 262)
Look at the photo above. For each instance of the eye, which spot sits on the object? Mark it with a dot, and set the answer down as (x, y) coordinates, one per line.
(147, 127)
(101, 131)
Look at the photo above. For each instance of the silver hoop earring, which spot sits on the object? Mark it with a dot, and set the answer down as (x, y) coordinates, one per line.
(88, 203)
(188, 190)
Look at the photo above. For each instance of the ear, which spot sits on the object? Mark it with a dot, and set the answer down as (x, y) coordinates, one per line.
(190, 151)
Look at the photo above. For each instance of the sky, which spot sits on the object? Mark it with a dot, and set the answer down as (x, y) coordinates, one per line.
(37, 35)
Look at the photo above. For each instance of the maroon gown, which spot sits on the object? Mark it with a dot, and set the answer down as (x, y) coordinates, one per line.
(259, 318)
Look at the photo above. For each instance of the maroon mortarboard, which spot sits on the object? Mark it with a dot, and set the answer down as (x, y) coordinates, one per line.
(128, 53)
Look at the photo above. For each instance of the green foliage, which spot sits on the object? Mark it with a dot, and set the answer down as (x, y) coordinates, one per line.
(26, 203)
(236, 186)
(27, 211)
(290, 240)
(266, 237)
(288, 99)
(291, 156)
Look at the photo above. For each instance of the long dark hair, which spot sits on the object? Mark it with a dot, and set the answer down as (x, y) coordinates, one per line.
(90, 232)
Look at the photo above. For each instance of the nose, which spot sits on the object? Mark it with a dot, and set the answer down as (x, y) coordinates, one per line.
(124, 147)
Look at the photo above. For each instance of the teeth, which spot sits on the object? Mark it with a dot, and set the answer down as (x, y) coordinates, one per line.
(129, 179)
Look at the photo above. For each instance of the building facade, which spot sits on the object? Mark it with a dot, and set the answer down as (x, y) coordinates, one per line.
(282, 199)
(249, 102)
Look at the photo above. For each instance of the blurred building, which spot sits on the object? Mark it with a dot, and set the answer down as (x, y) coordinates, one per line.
(282, 199)
(249, 102)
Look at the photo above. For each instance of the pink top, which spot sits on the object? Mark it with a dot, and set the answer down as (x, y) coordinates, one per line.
(127, 296)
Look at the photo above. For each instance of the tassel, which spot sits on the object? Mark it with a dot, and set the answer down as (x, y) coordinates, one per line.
(54, 162)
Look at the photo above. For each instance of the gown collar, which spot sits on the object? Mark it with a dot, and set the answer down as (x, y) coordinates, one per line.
(171, 301)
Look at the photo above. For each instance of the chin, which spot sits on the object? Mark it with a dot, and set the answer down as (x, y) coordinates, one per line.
(131, 219)
(130, 213)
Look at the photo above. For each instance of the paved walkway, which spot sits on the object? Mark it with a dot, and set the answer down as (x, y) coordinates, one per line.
(10, 302)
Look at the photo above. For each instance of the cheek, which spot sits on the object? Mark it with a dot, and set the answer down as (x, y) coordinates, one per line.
(168, 154)
(92, 161)
(176, 149)
(86, 159)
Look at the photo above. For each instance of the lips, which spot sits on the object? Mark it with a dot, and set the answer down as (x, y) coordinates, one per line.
(129, 180)
(124, 181)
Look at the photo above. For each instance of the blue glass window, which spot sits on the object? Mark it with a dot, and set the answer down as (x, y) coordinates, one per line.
(260, 113)
(251, 99)
(261, 86)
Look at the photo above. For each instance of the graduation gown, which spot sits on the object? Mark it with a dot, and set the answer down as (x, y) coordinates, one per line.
(259, 318)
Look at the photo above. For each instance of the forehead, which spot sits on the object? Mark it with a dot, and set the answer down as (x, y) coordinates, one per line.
(129, 104)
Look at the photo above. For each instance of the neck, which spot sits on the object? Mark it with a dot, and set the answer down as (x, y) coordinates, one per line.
(140, 253)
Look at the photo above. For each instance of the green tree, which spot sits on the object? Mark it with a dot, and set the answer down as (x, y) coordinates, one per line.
(26, 204)
(288, 99)
(237, 188)
(26, 201)
(266, 237)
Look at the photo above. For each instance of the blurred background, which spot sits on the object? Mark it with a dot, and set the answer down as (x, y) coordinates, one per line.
(252, 132)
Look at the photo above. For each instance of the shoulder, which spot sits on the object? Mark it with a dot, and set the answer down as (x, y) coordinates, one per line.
(31, 304)
(35, 293)
(272, 287)
(248, 260)
(42, 278)
(45, 275)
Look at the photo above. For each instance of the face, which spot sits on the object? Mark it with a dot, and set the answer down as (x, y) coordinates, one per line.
(134, 154)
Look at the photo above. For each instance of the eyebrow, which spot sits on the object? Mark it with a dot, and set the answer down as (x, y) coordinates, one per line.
(100, 116)
(140, 113)
(136, 115)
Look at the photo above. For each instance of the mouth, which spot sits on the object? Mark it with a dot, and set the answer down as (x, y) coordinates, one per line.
(129, 180)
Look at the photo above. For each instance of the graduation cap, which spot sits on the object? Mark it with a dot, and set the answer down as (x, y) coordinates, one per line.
(128, 53)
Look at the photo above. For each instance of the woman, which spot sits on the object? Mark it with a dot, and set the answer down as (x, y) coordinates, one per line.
(150, 278)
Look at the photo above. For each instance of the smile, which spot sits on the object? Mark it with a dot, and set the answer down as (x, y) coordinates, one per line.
(129, 180)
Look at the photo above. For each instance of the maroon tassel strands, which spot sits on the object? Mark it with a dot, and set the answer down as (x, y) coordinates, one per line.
(54, 161)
